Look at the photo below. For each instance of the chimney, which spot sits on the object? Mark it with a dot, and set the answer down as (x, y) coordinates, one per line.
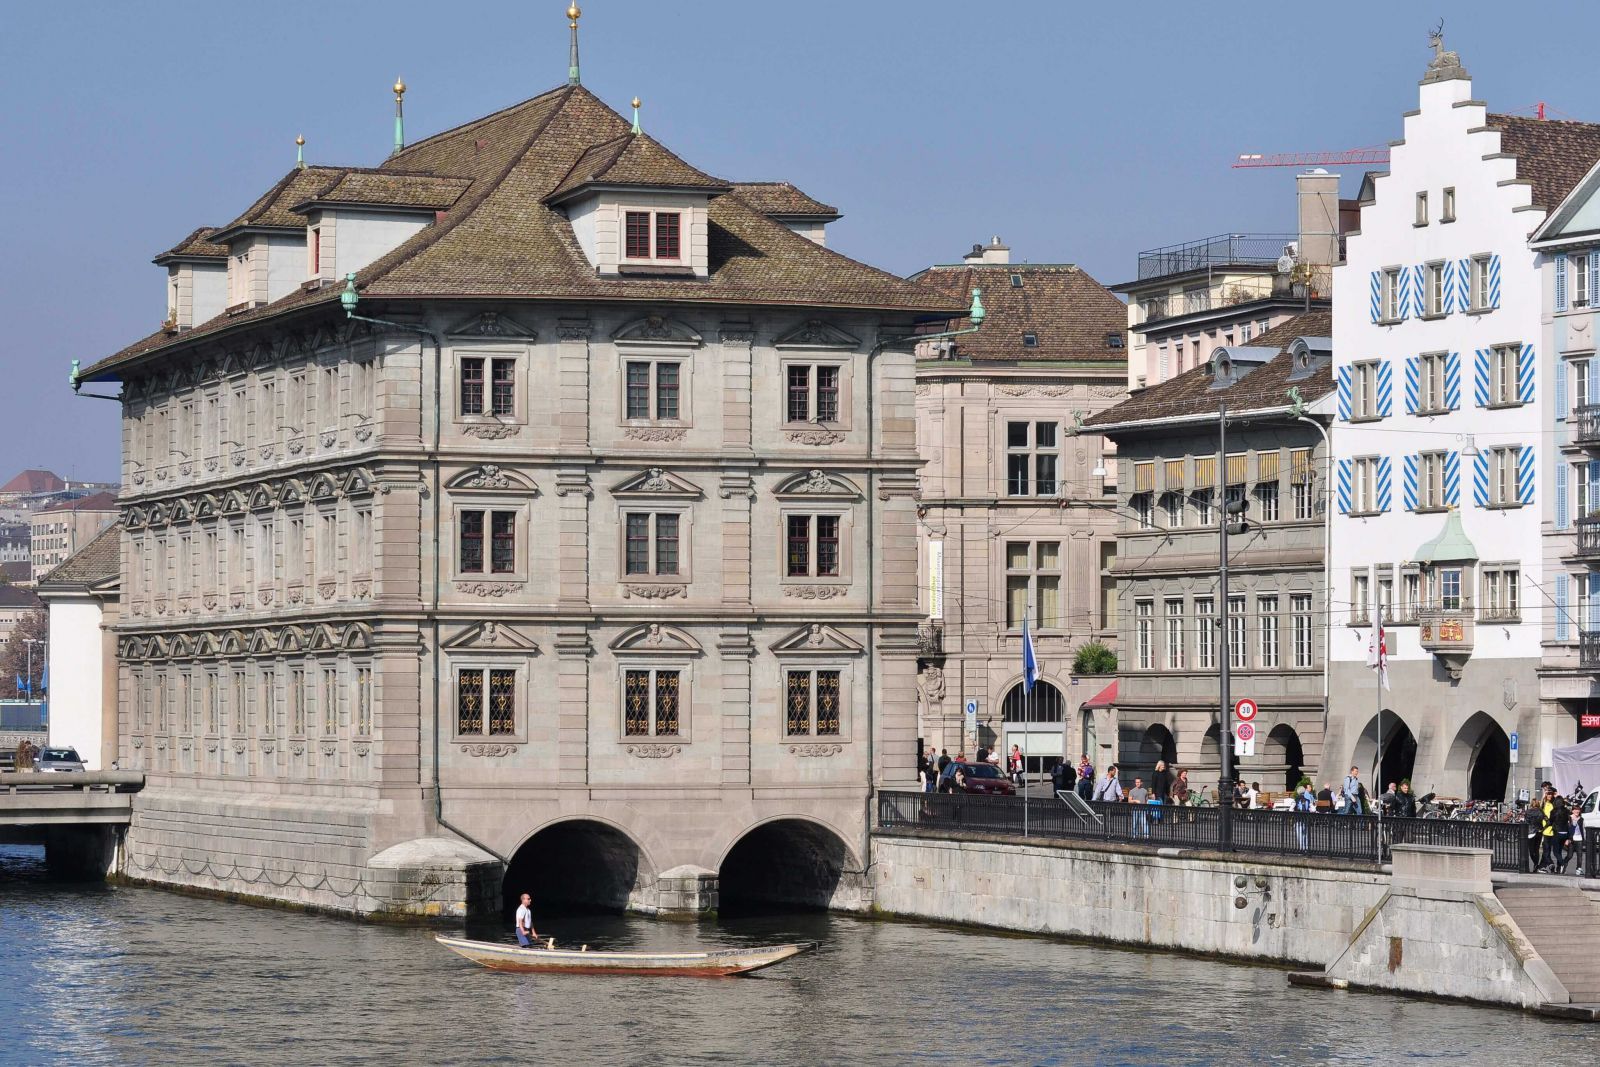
(1319, 217)
(993, 252)
(974, 256)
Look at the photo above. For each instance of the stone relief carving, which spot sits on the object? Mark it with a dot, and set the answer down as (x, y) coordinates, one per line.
(265, 451)
(655, 481)
(740, 335)
(328, 438)
(488, 750)
(489, 476)
(572, 330)
(815, 750)
(326, 590)
(654, 433)
(814, 437)
(816, 482)
(654, 751)
(1107, 391)
(297, 748)
(296, 594)
(362, 748)
(211, 463)
(815, 592)
(490, 431)
(487, 589)
(237, 457)
(654, 592)
(297, 445)
(932, 683)
(329, 747)
(364, 431)
(360, 589)
(1034, 390)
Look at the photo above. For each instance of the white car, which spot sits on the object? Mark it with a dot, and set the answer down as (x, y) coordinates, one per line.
(1590, 812)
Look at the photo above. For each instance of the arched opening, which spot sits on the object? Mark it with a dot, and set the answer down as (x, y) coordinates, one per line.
(576, 866)
(1283, 751)
(1159, 744)
(789, 863)
(1034, 723)
(1480, 758)
(1399, 755)
(1210, 769)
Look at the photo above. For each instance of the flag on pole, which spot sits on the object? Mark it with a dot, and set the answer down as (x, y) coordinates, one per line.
(44, 678)
(1030, 663)
(1378, 654)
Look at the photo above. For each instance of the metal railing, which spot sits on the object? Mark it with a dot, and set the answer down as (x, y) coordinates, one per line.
(1353, 838)
(1587, 544)
(1589, 649)
(1586, 425)
(1245, 249)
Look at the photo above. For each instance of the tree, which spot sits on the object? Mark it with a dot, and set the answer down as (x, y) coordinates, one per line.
(1094, 658)
(14, 657)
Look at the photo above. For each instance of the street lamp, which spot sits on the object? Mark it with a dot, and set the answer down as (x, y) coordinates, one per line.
(30, 642)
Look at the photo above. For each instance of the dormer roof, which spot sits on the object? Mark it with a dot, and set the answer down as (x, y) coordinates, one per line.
(1230, 363)
(273, 210)
(197, 246)
(632, 161)
(781, 200)
(393, 190)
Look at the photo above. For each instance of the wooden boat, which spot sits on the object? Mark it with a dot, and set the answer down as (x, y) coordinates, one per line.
(547, 958)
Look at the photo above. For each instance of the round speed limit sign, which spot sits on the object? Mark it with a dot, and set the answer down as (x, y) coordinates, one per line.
(1245, 709)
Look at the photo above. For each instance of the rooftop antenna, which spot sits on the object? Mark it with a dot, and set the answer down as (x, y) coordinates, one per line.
(300, 151)
(399, 116)
(636, 115)
(573, 14)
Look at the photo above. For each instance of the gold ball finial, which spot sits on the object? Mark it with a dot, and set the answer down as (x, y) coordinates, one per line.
(300, 139)
(574, 13)
(399, 88)
(636, 103)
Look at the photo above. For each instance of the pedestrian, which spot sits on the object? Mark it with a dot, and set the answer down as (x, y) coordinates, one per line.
(944, 759)
(1325, 799)
(525, 931)
(1180, 789)
(1139, 796)
(1352, 792)
(983, 754)
(1558, 834)
(1533, 828)
(1015, 765)
(947, 775)
(1241, 794)
(25, 753)
(927, 771)
(1405, 802)
(1305, 802)
(1161, 782)
(1252, 796)
(1085, 777)
(1109, 790)
(1060, 775)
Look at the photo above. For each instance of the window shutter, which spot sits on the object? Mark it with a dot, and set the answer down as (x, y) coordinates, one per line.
(1592, 623)
(1385, 465)
(1561, 282)
(1587, 507)
(1452, 380)
(1448, 283)
(1525, 474)
(1413, 384)
(1344, 487)
(1377, 296)
(1480, 479)
(1463, 284)
(1480, 378)
(1561, 390)
(1405, 293)
(1526, 365)
(1419, 290)
(1561, 496)
(1494, 281)
(1594, 381)
(1594, 278)
(1344, 394)
(1562, 595)
(1409, 489)
(1452, 479)
(1386, 389)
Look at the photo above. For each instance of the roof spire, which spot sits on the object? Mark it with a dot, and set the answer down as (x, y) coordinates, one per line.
(399, 116)
(636, 115)
(300, 151)
(573, 14)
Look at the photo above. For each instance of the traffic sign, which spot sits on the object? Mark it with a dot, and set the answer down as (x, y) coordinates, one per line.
(1513, 748)
(1245, 709)
(1244, 738)
(1246, 732)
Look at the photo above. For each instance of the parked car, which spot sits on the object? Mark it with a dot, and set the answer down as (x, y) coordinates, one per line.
(986, 778)
(58, 759)
(1590, 812)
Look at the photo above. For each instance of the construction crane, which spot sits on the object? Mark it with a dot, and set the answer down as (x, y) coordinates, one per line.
(1354, 157)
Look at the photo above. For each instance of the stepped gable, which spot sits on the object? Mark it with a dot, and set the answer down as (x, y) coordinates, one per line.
(98, 561)
(198, 245)
(1190, 393)
(500, 240)
(783, 200)
(1554, 154)
(1071, 315)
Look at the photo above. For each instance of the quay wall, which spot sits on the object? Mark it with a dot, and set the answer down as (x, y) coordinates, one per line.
(1296, 911)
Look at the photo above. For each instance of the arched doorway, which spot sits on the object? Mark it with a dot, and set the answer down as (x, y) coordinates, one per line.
(1399, 755)
(789, 863)
(1033, 722)
(581, 865)
(1283, 751)
(1480, 759)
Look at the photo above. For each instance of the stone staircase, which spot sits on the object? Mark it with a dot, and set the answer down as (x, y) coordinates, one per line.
(1563, 924)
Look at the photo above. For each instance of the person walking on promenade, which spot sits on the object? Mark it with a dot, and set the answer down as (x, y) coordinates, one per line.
(1180, 789)
(1352, 792)
(1558, 831)
(1160, 789)
(1533, 824)
(525, 931)
(1085, 777)
(1305, 803)
(1405, 802)
(1014, 764)
(1325, 799)
(1139, 796)
(1109, 790)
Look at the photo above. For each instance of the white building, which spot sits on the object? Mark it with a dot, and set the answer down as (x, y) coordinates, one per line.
(82, 596)
(1444, 386)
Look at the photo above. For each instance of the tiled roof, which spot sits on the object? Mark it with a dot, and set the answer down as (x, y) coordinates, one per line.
(381, 189)
(1552, 153)
(782, 199)
(34, 481)
(272, 209)
(500, 240)
(633, 159)
(12, 596)
(14, 571)
(92, 502)
(196, 246)
(1069, 314)
(95, 562)
(1190, 393)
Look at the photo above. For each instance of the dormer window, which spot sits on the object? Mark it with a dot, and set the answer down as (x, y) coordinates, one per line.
(315, 256)
(1030, 340)
(1016, 281)
(1113, 340)
(653, 235)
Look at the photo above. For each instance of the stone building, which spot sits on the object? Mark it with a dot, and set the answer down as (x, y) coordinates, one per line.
(588, 545)
(82, 598)
(1013, 514)
(1170, 493)
(59, 530)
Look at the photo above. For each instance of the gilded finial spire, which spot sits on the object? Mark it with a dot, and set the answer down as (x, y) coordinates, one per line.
(636, 115)
(573, 14)
(300, 151)
(399, 115)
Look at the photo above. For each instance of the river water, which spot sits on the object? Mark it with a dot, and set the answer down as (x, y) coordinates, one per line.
(116, 975)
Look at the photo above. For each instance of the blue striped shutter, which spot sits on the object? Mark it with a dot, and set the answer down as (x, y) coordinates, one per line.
(1452, 479)
(1463, 284)
(1377, 296)
(1561, 390)
(1526, 474)
(1385, 468)
(1480, 479)
(1561, 606)
(1344, 394)
(1404, 310)
(1419, 290)
(1409, 488)
(1562, 516)
(1527, 364)
(1413, 385)
(1561, 282)
(1386, 389)
(1344, 487)
(1480, 378)
(1494, 281)
(1452, 380)
(1448, 282)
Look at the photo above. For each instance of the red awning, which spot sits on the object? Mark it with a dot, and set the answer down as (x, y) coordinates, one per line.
(1103, 699)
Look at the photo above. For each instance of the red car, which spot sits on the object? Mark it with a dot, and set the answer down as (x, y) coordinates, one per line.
(985, 778)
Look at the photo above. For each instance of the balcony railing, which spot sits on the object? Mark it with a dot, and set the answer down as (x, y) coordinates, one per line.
(1226, 249)
(930, 639)
(1586, 425)
(1589, 650)
(1587, 543)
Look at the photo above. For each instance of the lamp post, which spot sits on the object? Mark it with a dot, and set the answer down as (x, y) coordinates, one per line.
(1224, 649)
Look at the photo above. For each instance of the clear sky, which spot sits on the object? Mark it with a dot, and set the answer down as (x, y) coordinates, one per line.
(1077, 132)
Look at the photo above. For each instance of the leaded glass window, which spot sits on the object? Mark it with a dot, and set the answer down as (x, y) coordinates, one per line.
(503, 547)
(651, 703)
(666, 703)
(502, 702)
(636, 704)
(469, 702)
(813, 701)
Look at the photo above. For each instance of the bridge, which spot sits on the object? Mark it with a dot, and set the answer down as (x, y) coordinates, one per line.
(77, 817)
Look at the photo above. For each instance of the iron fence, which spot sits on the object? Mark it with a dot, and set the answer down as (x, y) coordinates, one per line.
(1356, 838)
(1226, 249)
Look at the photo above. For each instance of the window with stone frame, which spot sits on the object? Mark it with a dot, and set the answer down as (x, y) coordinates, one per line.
(1033, 452)
(652, 544)
(267, 701)
(653, 390)
(812, 392)
(1433, 290)
(487, 386)
(1300, 618)
(813, 701)
(1501, 593)
(486, 701)
(1390, 295)
(1268, 625)
(1478, 279)
(363, 701)
(297, 702)
(1238, 624)
(1033, 576)
(812, 546)
(653, 235)
(651, 702)
(1505, 364)
(475, 526)
(1175, 643)
(1144, 634)
(330, 701)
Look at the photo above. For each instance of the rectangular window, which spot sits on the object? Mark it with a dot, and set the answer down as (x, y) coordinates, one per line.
(1364, 500)
(638, 402)
(495, 708)
(1580, 583)
(1360, 596)
(666, 235)
(812, 700)
(799, 394)
(1422, 209)
(1267, 646)
(1449, 584)
(1204, 506)
(297, 698)
(1580, 384)
(1144, 637)
(1431, 383)
(1410, 594)
(1503, 475)
(1143, 513)
(1390, 293)
(1175, 642)
(1447, 205)
(1433, 290)
(502, 702)
(502, 533)
(1300, 612)
(1478, 277)
(650, 703)
(471, 543)
(637, 553)
(637, 229)
(1583, 490)
(1033, 576)
(1504, 363)
(1267, 502)
(1580, 280)
(666, 390)
(469, 702)
(652, 543)
(361, 543)
(827, 394)
(1032, 452)
(813, 393)
(1172, 509)
(208, 698)
(503, 387)
(653, 389)
(1364, 390)
(503, 548)
(813, 556)
(1384, 604)
(363, 701)
(269, 704)
(330, 701)
(1238, 647)
(1501, 596)
(640, 226)
(1430, 480)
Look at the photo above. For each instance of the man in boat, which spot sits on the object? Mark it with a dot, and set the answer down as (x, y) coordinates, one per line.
(525, 931)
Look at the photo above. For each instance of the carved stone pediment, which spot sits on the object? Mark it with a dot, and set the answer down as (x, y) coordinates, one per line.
(814, 333)
(498, 636)
(323, 487)
(817, 483)
(656, 637)
(657, 330)
(493, 325)
(491, 476)
(656, 482)
(820, 639)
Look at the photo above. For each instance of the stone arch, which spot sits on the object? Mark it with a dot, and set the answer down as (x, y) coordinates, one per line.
(1478, 764)
(1284, 752)
(788, 860)
(579, 863)
(1043, 706)
(1399, 753)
